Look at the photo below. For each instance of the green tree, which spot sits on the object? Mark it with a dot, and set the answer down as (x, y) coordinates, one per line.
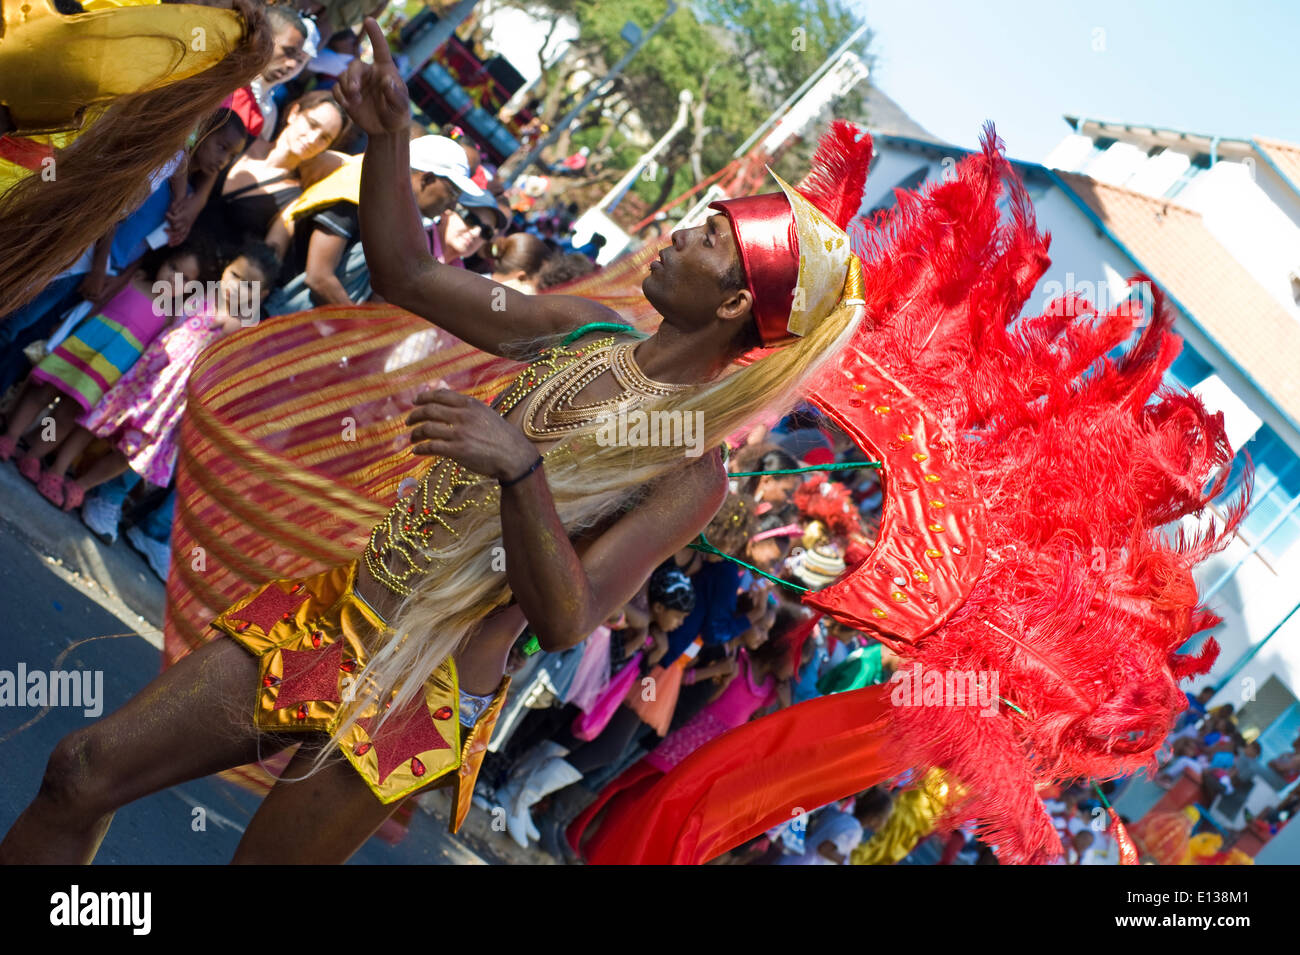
(738, 58)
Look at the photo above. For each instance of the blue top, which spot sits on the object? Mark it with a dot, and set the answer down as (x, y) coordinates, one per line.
(129, 237)
(714, 619)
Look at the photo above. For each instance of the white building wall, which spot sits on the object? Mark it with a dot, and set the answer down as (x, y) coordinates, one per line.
(1250, 224)
(1159, 173)
(1070, 153)
(1253, 601)
(1116, 164)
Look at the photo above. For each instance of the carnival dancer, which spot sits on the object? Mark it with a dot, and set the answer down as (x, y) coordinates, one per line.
(389, 667)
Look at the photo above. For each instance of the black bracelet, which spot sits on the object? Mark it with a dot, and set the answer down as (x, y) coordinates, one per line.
(535, 465)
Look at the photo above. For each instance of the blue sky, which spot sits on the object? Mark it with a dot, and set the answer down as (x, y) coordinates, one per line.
(1231, 69)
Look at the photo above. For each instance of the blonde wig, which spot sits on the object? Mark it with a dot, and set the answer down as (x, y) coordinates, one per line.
(589, 483)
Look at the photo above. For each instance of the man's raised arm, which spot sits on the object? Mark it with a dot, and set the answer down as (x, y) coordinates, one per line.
(473, 308)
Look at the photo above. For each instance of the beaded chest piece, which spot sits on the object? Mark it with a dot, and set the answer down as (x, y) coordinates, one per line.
(399, 549)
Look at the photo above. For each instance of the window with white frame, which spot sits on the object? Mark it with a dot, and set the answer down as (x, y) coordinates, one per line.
(1273, 522)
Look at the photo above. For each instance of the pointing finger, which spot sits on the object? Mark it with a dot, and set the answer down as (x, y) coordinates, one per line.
(382, 54)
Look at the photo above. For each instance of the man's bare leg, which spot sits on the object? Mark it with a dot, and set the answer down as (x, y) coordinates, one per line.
(318, 820)
(192, 720)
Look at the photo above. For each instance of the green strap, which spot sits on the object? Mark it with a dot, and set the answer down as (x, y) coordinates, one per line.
(704, 546)
(845, 466)
(577, 333)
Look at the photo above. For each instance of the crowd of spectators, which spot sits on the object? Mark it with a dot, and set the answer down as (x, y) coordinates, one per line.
(708, 644)
(1208, 746)
(263, 210)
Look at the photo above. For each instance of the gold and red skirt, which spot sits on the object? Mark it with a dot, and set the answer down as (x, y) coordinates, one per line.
(313, 637)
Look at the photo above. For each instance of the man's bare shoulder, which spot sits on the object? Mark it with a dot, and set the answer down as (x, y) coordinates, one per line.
(700, 486)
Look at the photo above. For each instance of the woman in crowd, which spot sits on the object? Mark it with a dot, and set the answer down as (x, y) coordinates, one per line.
(269, 176)
(465, 228)
(519, 259)
(768, 490)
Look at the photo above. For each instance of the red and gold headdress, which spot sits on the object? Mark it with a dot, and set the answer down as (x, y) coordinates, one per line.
(793, 246)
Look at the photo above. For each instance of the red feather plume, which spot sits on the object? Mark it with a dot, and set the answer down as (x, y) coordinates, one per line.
(1085, 461)
(838, 172)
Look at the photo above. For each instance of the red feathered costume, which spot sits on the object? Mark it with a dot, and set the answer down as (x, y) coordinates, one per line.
(1029, 478)
(1031, 474)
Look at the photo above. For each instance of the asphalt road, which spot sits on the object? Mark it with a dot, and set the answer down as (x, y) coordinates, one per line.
(46, 611)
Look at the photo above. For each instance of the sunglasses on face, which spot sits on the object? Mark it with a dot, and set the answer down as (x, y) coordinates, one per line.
(473, 221)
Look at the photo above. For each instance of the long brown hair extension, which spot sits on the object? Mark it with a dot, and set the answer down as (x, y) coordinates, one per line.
(104, 174)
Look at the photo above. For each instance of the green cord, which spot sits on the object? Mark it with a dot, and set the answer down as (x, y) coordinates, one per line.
(599, 327)
(845, 466)
(704, 546)
(1104, 801)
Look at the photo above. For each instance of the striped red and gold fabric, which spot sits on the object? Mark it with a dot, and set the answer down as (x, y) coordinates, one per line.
(293, 444)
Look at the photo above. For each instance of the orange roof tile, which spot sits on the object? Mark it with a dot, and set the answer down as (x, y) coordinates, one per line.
(1172, 243)
(1285, 155)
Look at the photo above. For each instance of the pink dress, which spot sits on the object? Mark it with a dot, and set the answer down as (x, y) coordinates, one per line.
(738, 702)
(593, 672)
(141, 414)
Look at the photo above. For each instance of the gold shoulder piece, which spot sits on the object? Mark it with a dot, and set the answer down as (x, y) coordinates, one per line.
(52, 67)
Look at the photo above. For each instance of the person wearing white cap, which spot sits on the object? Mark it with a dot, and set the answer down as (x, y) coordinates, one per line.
(440, 171)
(323, 247)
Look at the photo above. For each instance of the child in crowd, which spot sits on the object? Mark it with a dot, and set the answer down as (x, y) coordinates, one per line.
(562, 269)
(85, 366)
(140, 416)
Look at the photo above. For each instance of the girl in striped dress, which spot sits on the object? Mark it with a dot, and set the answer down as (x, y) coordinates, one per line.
(86, 365)
(141, 414)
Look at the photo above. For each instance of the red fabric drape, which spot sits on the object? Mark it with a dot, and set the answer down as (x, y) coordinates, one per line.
(757, 776)
(621, 795)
